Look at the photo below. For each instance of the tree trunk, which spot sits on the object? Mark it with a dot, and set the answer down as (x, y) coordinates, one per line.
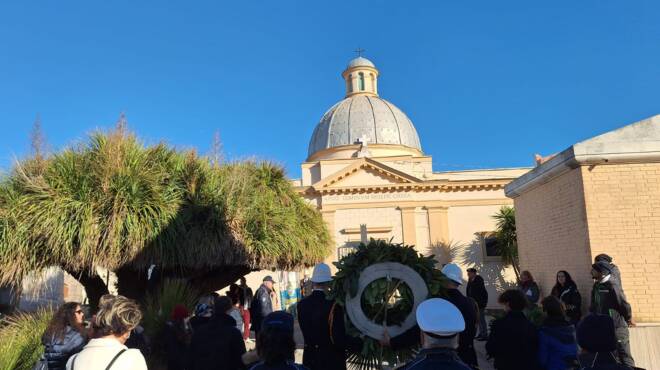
(94, 286)
(132, 283)
(218, 278)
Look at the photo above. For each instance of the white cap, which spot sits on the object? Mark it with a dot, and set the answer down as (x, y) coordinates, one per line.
(321, 273)
(453, 272)
(439, 317)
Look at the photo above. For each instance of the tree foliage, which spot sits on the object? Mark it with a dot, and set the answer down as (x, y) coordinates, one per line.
(507, 238)
(113, 202)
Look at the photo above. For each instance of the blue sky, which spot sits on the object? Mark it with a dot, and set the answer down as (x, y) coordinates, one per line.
(487, 83)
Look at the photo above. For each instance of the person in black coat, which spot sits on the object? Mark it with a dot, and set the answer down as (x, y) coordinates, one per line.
(262, 303)
(476, 289)
(218, 344)
(567, 292)
(322, 325)
(275, 343)
(614, 271)
(596, 336)
(607, 299)
(513, 340)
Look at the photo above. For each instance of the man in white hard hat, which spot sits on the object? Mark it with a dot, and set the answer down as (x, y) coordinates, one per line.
(468, 309)
(440, 323)
(322, 325)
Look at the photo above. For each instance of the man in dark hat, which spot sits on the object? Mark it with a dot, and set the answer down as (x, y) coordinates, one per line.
(607, 299)
(616, 274)
(596, 337)
(262, 304)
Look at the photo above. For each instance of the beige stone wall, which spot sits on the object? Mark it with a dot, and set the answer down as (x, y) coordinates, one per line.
(623, 209)
(552, 232)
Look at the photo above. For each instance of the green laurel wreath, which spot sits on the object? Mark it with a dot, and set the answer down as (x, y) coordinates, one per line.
(400, 304)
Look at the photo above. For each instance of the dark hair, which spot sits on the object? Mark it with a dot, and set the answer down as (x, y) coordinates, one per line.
(275, 346)
(233, 296)
(472, 269)
(557, 289)
(222, 304)
(529, 275)
(514, 298)
(553, 307)
(63, 317)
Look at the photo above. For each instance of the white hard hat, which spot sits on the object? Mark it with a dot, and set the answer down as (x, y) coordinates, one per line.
(321, 273)
(453, 272)
(439, 317)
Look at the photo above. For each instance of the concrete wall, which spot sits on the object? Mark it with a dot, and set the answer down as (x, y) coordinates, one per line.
(623, 213)
(552, 232)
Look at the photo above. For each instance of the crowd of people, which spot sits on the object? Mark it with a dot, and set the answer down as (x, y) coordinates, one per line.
(215, 335)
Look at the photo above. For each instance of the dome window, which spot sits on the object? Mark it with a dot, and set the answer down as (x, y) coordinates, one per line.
(361, 75)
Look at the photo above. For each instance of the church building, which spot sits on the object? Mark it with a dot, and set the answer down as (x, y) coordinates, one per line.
(368, 175)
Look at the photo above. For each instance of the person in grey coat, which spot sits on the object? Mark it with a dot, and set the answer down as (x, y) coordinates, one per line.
(64, 336)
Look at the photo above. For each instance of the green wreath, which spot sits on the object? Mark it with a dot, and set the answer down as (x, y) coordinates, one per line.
(398, 295)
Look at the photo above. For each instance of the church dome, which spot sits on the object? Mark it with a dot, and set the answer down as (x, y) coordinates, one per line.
(363, 118)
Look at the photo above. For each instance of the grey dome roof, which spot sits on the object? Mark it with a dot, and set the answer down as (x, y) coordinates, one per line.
(360, 62)
(358, 116)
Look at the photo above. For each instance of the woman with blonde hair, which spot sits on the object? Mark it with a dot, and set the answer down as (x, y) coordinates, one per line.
(112, 326)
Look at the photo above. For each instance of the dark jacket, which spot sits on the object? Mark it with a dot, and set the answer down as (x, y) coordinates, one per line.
(176, 339)
(436, 359)
(57, 352)
(513, 343)
(607, 299)
(476, 289)
(571, 298)
(531, 291)
(261, 306)
(282, 366)
(322, 325)
(557, 344)
(603, 361)
(217, 345)
(466, 338)
(616, 278)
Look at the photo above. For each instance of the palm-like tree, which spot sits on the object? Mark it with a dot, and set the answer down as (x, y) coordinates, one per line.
(113, 202)
(507, 242)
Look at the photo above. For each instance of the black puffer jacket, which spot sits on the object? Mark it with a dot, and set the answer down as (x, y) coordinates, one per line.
(571, 298)
(58, 351)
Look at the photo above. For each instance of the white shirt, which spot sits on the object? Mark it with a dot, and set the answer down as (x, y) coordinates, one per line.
(98, 353)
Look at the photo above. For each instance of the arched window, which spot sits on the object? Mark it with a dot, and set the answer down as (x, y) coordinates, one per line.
(361, 75)
(350, 83)
(373, 82)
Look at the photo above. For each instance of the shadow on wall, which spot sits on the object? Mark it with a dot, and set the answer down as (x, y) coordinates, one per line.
(491, 272)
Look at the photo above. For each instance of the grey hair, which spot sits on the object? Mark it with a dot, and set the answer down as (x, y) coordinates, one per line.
(435, 342)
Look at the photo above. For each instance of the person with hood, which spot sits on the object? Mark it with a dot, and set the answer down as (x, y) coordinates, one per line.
(276, 346)
(607, 299)
(529, 288)
(513, 340)
(64, 336)
(217, 345)
(262, 304)
(557, 344)
(440, 323)
(615, 273)
(203, 313)
(566, 291)
(596, 336)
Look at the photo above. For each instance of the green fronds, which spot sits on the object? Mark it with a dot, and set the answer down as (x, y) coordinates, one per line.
(112, 201)
(20, 347)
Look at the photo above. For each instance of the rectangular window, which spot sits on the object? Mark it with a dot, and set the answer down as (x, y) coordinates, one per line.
(489, 247)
